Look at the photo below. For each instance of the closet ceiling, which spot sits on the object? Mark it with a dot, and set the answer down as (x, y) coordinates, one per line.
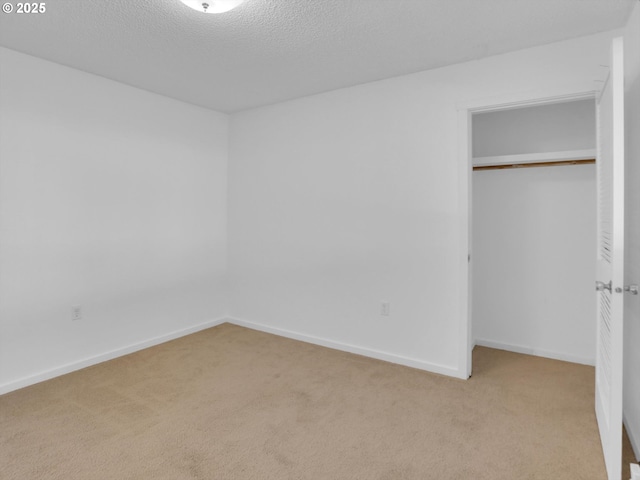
(267, 51)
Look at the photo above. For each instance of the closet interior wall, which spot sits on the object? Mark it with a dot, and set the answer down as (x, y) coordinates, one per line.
(534, 234)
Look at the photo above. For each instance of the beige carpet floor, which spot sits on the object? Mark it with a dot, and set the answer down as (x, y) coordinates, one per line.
(232, 403)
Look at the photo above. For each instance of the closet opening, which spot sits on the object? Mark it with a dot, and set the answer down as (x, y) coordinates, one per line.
(533, 230)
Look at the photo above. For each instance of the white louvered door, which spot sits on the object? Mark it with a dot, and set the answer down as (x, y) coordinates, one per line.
(610, 168)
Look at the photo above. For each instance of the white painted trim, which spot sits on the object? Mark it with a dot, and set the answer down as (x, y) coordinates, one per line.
(346, 347)
(465, 254)
(103, 357)
(635, 442)
(545, 96)
(535, 351)
(535, 157)
(564, 93)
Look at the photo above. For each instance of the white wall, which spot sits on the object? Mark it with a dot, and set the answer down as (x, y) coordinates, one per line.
(341, 200)
(112, 198)
(544, 128)
(534, 234)
(632, 263)
(534, 238)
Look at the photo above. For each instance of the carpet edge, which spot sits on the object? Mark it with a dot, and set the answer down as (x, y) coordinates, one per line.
(350, 348)
(481, 342)
(105, 356)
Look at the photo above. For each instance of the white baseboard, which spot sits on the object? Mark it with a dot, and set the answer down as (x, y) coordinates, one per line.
(103, 357)
(346, 347)
(633, 437)
(534, 351)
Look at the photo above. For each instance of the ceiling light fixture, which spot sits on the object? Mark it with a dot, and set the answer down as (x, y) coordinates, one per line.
(212, 6)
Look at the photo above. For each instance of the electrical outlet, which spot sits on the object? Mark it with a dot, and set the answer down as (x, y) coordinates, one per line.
(385, 309)
(76, 312)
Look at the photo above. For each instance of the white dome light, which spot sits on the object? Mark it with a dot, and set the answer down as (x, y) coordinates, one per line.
(212, 6)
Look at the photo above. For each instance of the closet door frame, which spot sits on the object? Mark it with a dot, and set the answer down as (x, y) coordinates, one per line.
(579, 91)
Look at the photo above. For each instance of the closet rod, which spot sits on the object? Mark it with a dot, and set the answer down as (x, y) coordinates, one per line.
(535, 164)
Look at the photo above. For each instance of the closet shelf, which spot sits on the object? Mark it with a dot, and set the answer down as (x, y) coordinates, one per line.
(525, 158)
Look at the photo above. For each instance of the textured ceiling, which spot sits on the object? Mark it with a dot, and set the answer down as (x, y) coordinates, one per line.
(266, 51)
